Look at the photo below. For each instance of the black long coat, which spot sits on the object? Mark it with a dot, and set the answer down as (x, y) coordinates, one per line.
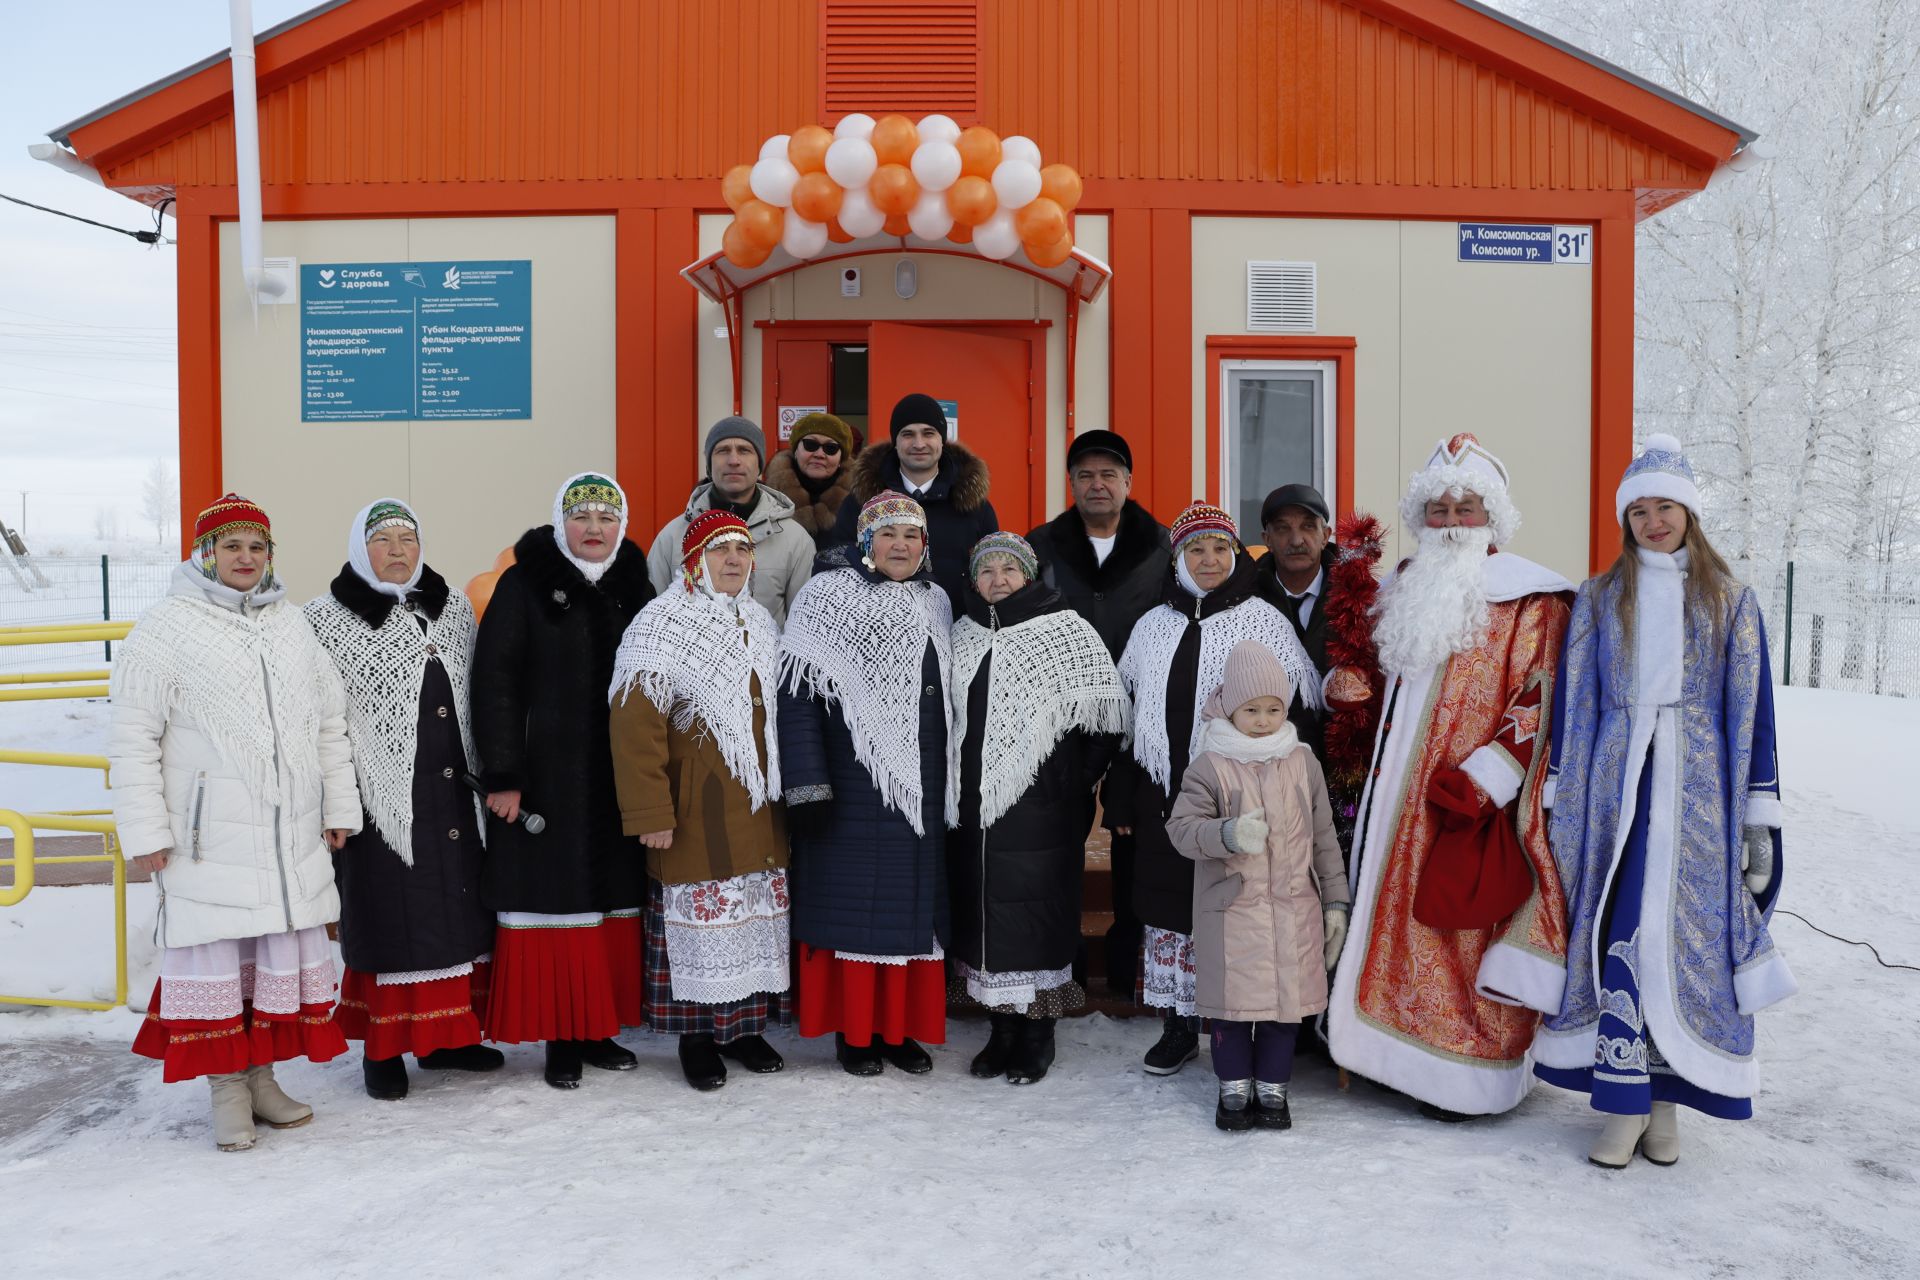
(868, 883)
(1016, 885)
(396, 918)
(541, 669)
(1111, 595)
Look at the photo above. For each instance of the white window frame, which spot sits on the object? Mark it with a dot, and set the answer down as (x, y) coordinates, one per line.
(1329, 371)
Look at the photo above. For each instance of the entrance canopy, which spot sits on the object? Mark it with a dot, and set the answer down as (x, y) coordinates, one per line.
(1082, 276)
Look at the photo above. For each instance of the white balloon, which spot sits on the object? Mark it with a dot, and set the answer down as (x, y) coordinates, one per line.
(775, 146)
(858, 125)
(801, 238)
(1020, 147)
(772, 180)
(930, 218)
(997, 237)
(859, 217)
(936, 165)
(1016, 183)
(851, 162)
(938, 129)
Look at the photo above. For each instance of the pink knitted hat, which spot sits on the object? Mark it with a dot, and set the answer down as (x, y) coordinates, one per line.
(1252, 672)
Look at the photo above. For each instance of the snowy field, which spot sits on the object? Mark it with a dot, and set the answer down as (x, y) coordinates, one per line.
(1099, 1170)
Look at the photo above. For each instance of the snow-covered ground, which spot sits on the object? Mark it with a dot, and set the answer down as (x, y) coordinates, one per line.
(1099, 1170)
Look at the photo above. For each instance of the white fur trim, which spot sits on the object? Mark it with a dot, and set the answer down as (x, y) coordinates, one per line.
(1655, 484)
(1514, 976)
(1764, 810)
(1546, 793)
(1494, 770)
(1765, 982)
(1509, 577)
(1425, 486)
(1570, 1050)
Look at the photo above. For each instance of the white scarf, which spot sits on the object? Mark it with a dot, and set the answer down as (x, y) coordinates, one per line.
(860, 644)
(205, 651)
(383, 669)
(591, 570)
(362, 564)
(1220, 736)
(693, 655)
(1148, 659)
(1050, 674)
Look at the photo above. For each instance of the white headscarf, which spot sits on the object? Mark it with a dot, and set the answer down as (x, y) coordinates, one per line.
(362, 564)
(703, 581)
(590, 569)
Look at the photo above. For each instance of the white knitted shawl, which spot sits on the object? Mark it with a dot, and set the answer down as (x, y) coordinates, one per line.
(383, 668)
(692, 656)
(860, 644)
(190, 657)
(1148, 659)
(1050, 674)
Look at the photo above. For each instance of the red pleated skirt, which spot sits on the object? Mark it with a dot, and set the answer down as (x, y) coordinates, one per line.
(188, 1048)
(625, 942)
(862, 1000)
(554, 983)
(413, 1017)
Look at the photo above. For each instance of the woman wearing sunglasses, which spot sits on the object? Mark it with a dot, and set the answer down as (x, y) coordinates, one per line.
(813, 473)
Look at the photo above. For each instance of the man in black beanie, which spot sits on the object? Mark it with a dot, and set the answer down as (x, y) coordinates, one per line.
(947, 479)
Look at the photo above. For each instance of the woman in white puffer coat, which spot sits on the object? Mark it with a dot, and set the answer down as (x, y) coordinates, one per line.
(232, 774)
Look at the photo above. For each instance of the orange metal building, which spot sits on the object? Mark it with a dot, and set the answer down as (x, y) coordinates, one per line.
(1353, 133)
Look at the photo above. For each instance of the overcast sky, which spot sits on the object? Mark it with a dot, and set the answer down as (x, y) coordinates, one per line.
(87, 373)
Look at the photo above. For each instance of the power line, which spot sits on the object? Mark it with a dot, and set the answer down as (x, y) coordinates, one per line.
(144, 237)
(97, 377)
(81, 324)
(67, 395)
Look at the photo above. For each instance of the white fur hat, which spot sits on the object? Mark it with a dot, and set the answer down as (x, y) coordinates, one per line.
(1462, 465)
(1661, 471)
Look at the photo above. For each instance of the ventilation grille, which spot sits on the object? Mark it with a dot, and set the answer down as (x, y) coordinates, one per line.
(1282, 297)
(911, 57)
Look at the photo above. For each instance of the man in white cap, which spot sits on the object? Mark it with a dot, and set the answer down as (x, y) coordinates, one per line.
(1457, 940)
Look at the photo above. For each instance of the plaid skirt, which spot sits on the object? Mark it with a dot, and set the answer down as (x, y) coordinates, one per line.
(724, 1022)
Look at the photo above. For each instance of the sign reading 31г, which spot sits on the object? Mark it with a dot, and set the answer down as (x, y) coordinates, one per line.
(415, 341)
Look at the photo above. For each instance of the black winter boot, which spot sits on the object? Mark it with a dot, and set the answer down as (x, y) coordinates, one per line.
(1033, 1053)
(755, 1054)
(1270, 1109)
(700, 1062)
(607, 1055)
(858, 1060)
(468, 1057)
(386, 1078)
(991, 1062)
(1178, 1045)
(907, 1056)
(563, 1064)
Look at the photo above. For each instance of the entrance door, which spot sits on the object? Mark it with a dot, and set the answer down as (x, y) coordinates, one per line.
(987, 380)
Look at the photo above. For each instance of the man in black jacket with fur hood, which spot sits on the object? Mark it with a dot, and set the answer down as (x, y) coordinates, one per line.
(1108, 558)
(947, 479)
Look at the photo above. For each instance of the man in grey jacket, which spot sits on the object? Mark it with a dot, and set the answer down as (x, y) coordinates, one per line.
(782, 550)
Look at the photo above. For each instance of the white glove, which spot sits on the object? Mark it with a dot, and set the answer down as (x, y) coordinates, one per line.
(1756, 859)
(1246, 833)
(1335, 919)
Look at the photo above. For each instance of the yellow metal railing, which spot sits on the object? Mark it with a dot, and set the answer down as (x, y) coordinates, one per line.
(42, 685)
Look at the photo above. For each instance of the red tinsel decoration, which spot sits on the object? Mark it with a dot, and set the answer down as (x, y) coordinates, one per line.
(1355, 663)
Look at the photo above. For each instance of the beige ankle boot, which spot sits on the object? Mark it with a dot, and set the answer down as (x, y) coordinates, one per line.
(1615, 1146)
(1662, 1143)
(232, 1112)
(270, 1102)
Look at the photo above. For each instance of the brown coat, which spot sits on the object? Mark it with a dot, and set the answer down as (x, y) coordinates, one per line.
(1258, 938)
(815, 515)
(669, 780)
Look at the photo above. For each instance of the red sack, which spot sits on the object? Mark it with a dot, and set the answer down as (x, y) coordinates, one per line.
(1476, 874)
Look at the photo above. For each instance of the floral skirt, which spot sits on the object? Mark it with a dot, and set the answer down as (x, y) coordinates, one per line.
(1167, 977)
(867, 999)
(396, 1013)
(222, 1007)
(726, 960)
(565, 977)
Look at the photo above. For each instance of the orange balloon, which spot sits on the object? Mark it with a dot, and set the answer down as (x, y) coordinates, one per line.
(894, 188)
(737, 187)
(961, 233)
(761, 223)
(971, 200)
(898, 225)
(1041, 221)
(836, 234)
(480, 591)
(894, 139)
(1061, 184)
(807, 148)
(1051, 255)
(816, 197)
(979, 151)
(504, 559)
(740, 250)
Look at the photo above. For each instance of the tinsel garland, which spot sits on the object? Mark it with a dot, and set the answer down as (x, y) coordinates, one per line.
(1354, 684)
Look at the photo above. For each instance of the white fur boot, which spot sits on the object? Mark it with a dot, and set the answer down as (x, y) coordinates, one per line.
(1615, 1146)
(270, 1102)
(232, 1112)
(1662, 1143)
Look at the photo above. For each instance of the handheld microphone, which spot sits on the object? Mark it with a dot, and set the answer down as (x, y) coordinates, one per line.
(533, 822)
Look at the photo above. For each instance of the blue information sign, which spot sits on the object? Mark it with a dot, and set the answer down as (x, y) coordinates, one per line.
(1525, 242)
(415, 341)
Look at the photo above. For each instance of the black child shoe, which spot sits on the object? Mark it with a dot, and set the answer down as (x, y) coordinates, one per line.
(755, 1054)
(1234, 1112)
(1033, 1052)
(607, 1055)
(700, 1062)
(468, 1057)
(907, 1056)
(1270, 1110)
(857, 1060)
(991, 1062)
(386, 1078)
(1178, 1045)
(563, 1064)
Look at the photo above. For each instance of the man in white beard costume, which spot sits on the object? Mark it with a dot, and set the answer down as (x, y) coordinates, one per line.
(1457, 940)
